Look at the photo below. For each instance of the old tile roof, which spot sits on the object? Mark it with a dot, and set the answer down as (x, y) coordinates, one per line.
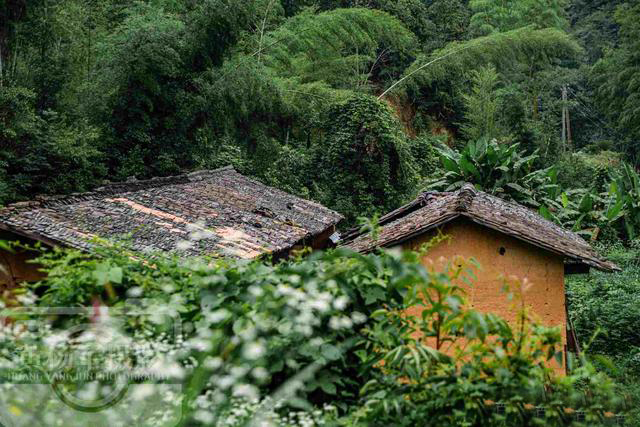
(241, 217)
(433, 209)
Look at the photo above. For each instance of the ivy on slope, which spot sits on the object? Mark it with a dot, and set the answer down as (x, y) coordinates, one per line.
(362, 136)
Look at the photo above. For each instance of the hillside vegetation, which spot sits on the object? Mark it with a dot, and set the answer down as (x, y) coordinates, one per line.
(344, 102)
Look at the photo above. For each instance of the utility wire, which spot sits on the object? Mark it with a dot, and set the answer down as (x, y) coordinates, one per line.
(468, 46)
(588, 113)
(586, 110)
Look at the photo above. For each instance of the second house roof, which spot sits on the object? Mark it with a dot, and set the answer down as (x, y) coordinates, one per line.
(433, 209)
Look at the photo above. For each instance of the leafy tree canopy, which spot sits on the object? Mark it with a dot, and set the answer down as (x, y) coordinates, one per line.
(346, 48)
(499, 15)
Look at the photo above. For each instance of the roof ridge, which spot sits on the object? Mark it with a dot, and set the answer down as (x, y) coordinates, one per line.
(465, 197)
(417, 203)
(113, 188)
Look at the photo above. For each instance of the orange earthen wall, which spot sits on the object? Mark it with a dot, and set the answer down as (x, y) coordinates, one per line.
(544, 270)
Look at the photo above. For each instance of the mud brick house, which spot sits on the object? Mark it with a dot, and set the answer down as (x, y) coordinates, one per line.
(244, 218)
(505, 238)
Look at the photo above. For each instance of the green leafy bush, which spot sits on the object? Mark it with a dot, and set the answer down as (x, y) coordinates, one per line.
(604, 309)
(330, 329)
(625, 194)
(585, 170)
(615, 212)
(362, 136)
(425, 155)
(36, 146)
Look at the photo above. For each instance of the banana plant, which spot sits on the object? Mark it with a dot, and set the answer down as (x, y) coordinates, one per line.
(586, 211)
(500, 169)
(624, 208)
(580, 210)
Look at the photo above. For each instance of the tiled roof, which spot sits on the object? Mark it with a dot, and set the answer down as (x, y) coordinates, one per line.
(433, 209)
(242, 217)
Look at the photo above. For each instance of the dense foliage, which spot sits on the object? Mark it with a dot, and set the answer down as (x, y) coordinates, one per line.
(604, 310)
(117, 89)
(361, 136)
(498, 169)
(329, 330)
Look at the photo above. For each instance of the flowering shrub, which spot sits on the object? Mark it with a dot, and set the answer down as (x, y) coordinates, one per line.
(320, 340)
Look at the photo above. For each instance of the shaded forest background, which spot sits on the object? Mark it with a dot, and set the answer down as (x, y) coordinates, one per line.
(346, 102)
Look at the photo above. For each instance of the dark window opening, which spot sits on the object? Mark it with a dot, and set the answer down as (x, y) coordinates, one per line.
(502, 250)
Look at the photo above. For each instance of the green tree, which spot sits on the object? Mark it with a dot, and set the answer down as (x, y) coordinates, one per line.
(137, 83)
(414, 14)
(617, 81)
(345, 48)
(525, 47)
(500, 15)
(483, 106)
(215, 26)
(36, 148)
(593, 22)
(451, 18)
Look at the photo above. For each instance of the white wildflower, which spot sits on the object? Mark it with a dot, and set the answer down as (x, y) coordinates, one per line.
(341, 302)
(142, 391)
(200, 344)
(134, 292)
(239, 371)
(226, 382)
(205, 417)
(358, 317)
(53, 340)
(212, 363)
(246, 391)
(218, 315)
(253, 351)
(334, 322)
(345, 323)
(320, 305)
(260, 373)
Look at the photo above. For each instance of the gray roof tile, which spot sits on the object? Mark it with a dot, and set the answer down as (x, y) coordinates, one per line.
(432, 209)
(245, 218)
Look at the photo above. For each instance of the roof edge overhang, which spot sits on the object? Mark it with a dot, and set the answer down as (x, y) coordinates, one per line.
(599, 264)
(51, 242)
(442, 221)
(34, 236)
